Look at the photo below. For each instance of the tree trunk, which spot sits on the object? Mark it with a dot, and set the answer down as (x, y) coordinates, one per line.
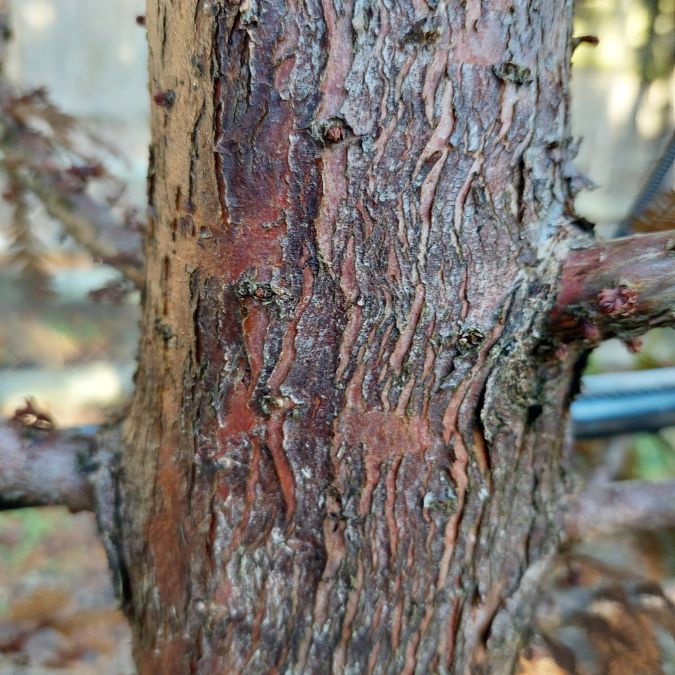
(346, 451)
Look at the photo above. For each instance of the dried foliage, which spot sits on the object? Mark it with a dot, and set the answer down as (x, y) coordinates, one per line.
(50, 159)
(26, 253)
(597, 617)
(58, 614)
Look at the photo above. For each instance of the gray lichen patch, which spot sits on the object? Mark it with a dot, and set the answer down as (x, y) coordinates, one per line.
(512, 72)
(423, 32)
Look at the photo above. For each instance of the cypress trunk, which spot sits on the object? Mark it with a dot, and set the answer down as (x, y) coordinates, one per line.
(346, 450)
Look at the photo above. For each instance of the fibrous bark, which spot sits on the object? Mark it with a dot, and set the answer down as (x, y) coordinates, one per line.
(346, 447)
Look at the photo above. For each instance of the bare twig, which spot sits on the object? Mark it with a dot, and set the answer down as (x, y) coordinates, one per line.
(619, 288)
(592, 40)
(621, 506)
(40, 468)
(613, 461)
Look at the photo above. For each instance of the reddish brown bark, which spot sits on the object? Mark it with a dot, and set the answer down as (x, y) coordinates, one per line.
(345, 451)
(619, 288)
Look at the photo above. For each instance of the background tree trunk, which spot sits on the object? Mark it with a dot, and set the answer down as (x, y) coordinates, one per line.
(346, 448)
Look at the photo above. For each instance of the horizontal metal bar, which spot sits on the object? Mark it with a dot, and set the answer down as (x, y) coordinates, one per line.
(619, 403)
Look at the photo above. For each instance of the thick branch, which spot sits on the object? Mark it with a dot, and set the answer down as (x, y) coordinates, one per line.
(41, 468)
(621, 287)
(621, 506)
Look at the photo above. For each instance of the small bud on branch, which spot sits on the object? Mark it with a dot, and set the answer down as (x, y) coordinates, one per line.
(620, 288)
(620, 301)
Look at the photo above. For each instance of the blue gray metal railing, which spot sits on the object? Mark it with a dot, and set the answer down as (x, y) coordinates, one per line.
(620, 403)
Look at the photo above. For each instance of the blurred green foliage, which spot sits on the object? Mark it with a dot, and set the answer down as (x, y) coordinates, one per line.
(636, 35)
(651, 458)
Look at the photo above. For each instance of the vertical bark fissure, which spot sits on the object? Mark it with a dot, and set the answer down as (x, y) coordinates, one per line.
(332, 457)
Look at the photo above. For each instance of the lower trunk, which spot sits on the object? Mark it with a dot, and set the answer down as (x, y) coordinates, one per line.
(345, 453)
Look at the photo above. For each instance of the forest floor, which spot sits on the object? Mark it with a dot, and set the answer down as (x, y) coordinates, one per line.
(58, 612)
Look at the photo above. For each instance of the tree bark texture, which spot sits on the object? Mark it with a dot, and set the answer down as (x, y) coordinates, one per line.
(40, 467)
(346, 449)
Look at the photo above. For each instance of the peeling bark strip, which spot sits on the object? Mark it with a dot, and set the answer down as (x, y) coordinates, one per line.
(345, 449)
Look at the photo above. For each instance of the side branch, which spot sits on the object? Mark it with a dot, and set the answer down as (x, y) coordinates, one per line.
(619, 288)
(42, 468)
(620, 506)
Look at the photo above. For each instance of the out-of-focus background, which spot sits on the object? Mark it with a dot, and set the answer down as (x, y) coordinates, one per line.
(76, 356)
